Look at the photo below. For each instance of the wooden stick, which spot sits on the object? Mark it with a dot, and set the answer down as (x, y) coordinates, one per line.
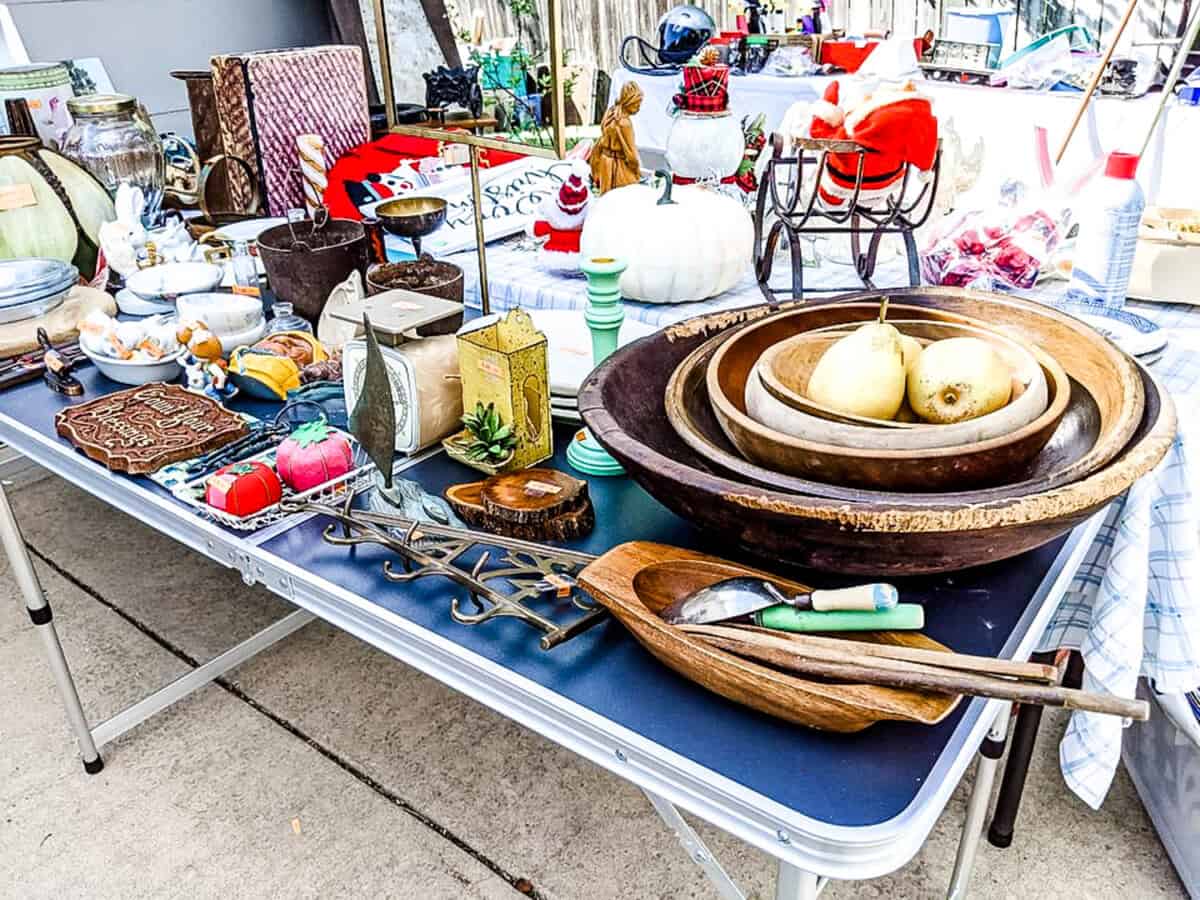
(1168, 90)
(1095, 82)
(781, 653)
(821, 647)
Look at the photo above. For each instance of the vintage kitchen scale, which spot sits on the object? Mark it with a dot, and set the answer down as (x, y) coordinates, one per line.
(415, 333)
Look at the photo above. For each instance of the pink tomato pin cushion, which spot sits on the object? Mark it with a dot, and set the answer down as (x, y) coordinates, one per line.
(313, 455)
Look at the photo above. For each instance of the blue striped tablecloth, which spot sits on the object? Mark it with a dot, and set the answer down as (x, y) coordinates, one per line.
(1133, 608)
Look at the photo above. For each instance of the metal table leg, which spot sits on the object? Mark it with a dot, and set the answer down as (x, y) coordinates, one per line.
(977, 806)
(90, 739)
(1016, 768)
(43, 619)
(797, 884)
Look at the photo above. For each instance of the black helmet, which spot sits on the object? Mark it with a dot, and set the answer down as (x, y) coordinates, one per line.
(682, 31)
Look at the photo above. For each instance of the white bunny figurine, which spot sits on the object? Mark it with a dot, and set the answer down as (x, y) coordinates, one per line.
(122, 239)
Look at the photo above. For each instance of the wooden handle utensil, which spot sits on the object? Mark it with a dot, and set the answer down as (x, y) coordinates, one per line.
(847, 663)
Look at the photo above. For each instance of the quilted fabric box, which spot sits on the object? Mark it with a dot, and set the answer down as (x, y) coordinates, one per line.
(265, 99)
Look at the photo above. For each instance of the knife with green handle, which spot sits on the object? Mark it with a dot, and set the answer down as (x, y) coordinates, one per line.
(901, 617)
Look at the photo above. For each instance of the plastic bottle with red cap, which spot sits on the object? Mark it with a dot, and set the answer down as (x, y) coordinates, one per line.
(1108, 228)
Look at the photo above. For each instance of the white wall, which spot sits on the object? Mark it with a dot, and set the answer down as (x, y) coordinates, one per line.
(141, 41)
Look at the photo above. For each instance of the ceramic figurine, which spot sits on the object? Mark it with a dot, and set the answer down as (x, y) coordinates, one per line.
(615, 161)
(558, 223)
(123, 239)
(209, 377)
(705, 140)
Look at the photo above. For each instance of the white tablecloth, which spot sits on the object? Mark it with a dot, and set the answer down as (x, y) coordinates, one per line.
(1133, 608)
(1003, 118)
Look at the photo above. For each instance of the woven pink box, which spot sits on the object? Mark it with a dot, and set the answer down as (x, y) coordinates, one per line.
(266, 98)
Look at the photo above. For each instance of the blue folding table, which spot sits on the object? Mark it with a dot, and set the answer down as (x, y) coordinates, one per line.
(826, 806)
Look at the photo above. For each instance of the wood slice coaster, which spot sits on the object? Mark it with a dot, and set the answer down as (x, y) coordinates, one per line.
(142, 429)
(533, 505)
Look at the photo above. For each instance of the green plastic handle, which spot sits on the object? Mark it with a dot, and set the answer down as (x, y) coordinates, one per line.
(902, 617)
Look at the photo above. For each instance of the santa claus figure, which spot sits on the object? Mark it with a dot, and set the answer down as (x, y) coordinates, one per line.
(560, 222)
(898, 127)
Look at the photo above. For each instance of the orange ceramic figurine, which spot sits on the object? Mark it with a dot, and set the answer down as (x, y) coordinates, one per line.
(615, 162)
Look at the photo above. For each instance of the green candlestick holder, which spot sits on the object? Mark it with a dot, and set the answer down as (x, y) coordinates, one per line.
(604, 315)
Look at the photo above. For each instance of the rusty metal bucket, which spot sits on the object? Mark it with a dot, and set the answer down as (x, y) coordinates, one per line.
(304, 264)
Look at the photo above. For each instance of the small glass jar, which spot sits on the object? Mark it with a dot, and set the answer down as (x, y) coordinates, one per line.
(113, 139)
(284, 318)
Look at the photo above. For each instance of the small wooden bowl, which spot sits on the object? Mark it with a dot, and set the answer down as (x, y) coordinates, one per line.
(772, 398)
(878, 466)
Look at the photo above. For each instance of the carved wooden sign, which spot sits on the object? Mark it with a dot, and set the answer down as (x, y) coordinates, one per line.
(142, 429)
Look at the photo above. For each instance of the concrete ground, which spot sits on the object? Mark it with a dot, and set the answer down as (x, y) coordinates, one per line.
(324, 769)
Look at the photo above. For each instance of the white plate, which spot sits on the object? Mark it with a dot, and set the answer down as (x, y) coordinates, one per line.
(247, 230)
(132, 305)
(1134, 334)
(172, 279)
(569, 346)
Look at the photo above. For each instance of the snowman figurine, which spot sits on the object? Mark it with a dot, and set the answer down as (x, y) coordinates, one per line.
(706, 142)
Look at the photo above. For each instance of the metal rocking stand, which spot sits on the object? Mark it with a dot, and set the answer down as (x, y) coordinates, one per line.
(789, 204)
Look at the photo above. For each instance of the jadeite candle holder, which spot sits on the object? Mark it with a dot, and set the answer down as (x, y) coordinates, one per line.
(604, 314)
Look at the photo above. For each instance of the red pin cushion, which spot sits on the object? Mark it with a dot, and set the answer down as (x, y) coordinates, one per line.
(243, 488)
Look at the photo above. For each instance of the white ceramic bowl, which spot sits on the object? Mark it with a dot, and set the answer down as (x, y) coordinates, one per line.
(1027, 365)
(222, 313)
(135, 372)
(169, 280)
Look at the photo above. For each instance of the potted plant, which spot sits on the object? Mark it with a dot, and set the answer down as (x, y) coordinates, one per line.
(486, 443)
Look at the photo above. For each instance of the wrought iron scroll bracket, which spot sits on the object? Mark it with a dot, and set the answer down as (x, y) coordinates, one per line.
(508, 584)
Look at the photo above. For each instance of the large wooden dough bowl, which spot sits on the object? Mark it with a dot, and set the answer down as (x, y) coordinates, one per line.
(623, 404)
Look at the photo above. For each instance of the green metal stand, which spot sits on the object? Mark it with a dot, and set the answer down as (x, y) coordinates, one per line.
(604, 315)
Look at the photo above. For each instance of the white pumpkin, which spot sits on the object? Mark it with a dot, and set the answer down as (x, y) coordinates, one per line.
(700, 146)
(681, 243)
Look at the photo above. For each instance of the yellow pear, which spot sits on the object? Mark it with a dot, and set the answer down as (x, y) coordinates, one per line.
(862, 374)
(958, 379)
(911, 348)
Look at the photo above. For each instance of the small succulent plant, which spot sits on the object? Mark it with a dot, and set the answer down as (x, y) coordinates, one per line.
(491, 441)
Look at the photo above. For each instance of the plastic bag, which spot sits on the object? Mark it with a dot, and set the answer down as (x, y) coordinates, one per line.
(791, 62)
(995, 249)
(1040, 69)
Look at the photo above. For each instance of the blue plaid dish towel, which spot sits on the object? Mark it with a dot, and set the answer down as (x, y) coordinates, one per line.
(1133, 608)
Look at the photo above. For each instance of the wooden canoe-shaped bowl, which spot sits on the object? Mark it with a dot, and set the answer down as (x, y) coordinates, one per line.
(636, 581)
(622, 402)
(691, 415)
(784, 372)
(986, 463)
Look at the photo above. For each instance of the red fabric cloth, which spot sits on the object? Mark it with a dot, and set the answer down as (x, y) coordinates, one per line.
(560, 241)
(382, 156)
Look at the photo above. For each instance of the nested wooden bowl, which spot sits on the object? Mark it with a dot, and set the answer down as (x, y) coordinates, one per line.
(691, 415)
(774, 394)
(877, 464)
(1107, 374)
(622, 402)
(627, 581)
